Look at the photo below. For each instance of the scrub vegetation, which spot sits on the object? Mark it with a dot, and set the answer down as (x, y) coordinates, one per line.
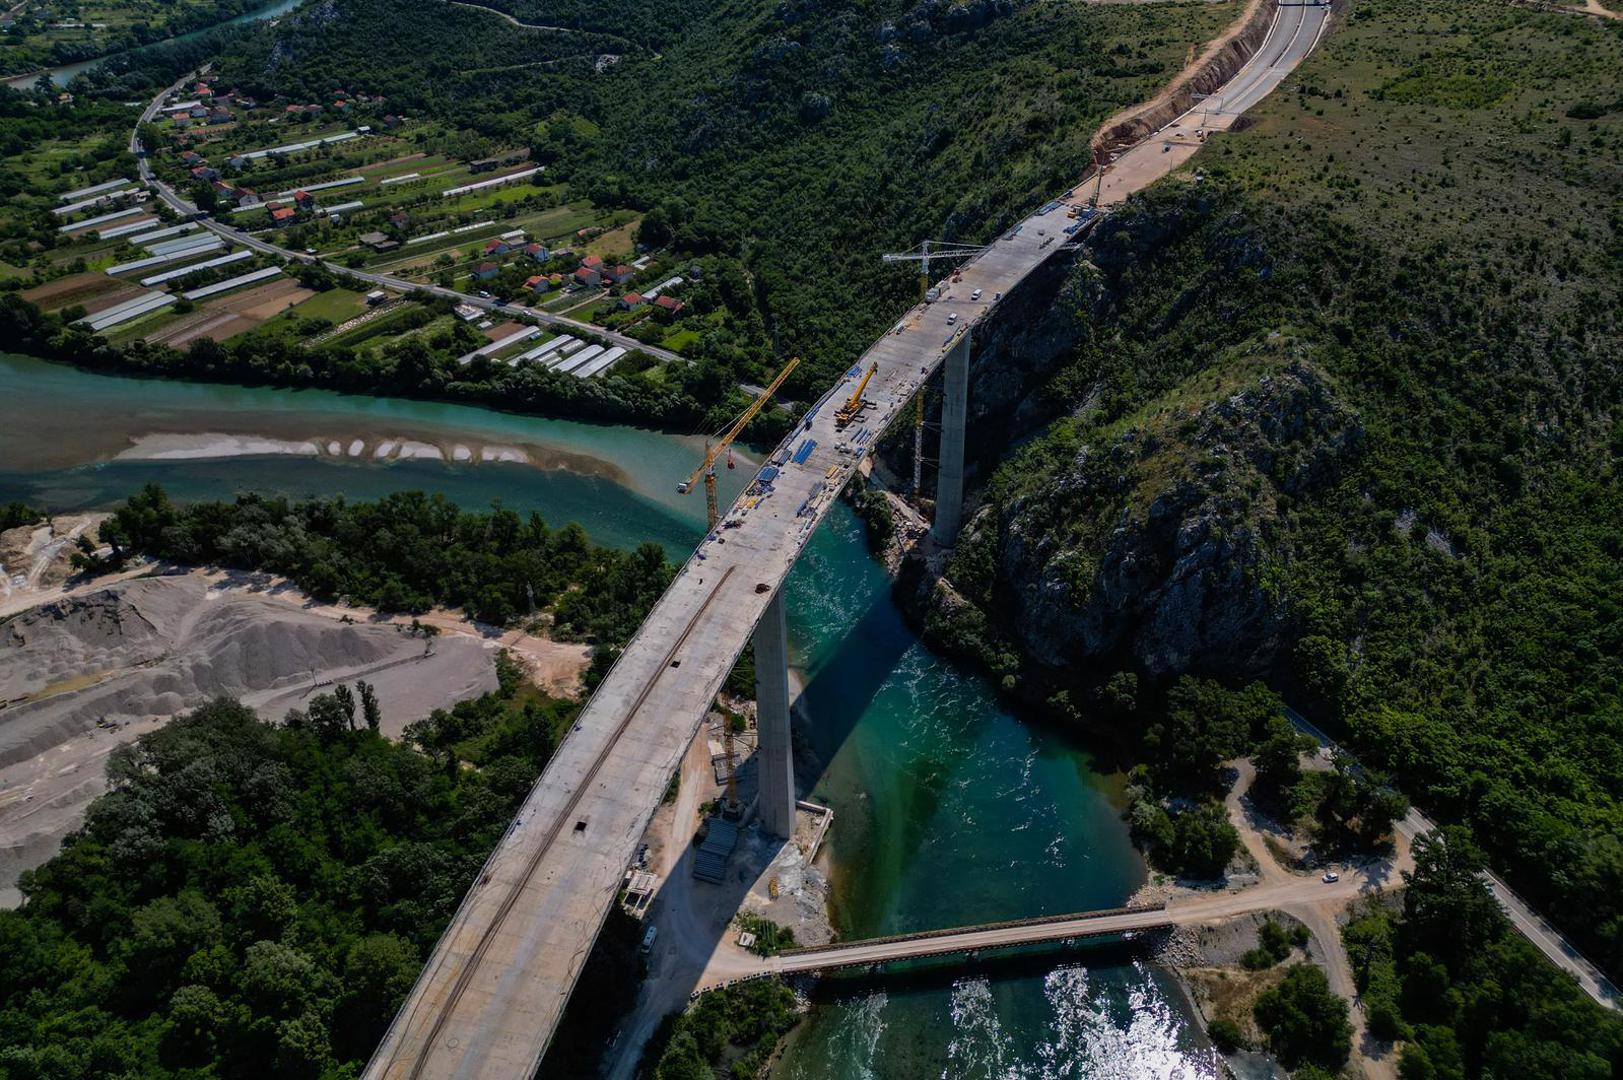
(407, 552)
(1348, 397)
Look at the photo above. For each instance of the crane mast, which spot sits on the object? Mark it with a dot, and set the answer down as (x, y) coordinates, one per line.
(712, 451)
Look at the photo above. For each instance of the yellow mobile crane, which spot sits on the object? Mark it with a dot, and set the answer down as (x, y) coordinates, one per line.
(854, 405)
(707, 467)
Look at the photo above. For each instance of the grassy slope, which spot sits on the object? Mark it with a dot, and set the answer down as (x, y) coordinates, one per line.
(1423, 222)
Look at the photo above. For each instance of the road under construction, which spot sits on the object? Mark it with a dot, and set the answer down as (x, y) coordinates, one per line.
(491, 994)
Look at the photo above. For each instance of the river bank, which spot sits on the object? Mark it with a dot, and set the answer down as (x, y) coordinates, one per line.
(63, 74)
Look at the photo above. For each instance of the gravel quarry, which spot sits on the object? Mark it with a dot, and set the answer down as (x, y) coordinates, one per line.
(86, 673)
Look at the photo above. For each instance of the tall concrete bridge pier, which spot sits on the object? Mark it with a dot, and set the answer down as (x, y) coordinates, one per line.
(949, 483)
(776, 807)
(777, 802)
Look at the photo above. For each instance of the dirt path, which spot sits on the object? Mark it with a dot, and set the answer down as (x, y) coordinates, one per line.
(1375, 1059)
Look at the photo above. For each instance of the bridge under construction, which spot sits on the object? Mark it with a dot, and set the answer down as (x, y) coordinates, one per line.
(491, 995)
(493, 991)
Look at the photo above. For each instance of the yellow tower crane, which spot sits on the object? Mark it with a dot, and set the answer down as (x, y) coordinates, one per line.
(712, 451)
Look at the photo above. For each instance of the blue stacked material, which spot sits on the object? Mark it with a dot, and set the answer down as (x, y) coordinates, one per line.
(769, 474)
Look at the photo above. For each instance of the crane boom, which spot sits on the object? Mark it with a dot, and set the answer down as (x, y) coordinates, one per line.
(707, 467)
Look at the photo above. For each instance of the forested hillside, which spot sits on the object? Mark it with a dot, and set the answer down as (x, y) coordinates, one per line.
(800, 140)
(1341, 412)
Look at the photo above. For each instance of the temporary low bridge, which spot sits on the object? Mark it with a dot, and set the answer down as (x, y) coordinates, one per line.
(970, 939)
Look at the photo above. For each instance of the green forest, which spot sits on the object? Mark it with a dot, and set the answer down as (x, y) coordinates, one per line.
(255, 899)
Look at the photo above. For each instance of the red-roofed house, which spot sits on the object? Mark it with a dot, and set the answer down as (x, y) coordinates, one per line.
(594, 262)
(304, 199)
(631, 300)
(497, 246)
(620, 274)
(585, 275)
(283, 214)
(669, 305)
(537, 283)
(486, 270)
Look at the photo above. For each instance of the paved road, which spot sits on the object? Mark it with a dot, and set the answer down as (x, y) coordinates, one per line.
(1533, 926)
(265, 247)
(1295, 30)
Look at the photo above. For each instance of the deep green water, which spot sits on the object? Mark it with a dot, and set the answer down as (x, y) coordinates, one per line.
(949, 809)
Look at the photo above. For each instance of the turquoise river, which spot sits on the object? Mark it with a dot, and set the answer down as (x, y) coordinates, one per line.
(949, 808)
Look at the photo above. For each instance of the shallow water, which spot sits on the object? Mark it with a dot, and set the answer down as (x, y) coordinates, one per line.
(66, 437)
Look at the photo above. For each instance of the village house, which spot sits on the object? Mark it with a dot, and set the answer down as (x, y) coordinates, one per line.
(620, 274)
(486, 270)
(304, 199)
(379, 241)
(669, 305)
(585, 275)
(236, 161)
(538, 283)
(630, 300)
(538, 252)
(283, 215)
(497, 246)
(248, 197)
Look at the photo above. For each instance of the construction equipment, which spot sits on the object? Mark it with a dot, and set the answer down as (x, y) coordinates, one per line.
(855, 404)
(707, 467)
(933, 249)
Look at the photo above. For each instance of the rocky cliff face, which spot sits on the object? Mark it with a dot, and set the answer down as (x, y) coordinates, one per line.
(1157, 547)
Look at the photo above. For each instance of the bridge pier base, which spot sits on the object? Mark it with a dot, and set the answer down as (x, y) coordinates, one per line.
(777, 802)
(949, 483)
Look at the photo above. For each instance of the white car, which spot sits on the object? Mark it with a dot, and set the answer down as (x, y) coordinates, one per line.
(953, 317)
(976, 295)
(1330, 877)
